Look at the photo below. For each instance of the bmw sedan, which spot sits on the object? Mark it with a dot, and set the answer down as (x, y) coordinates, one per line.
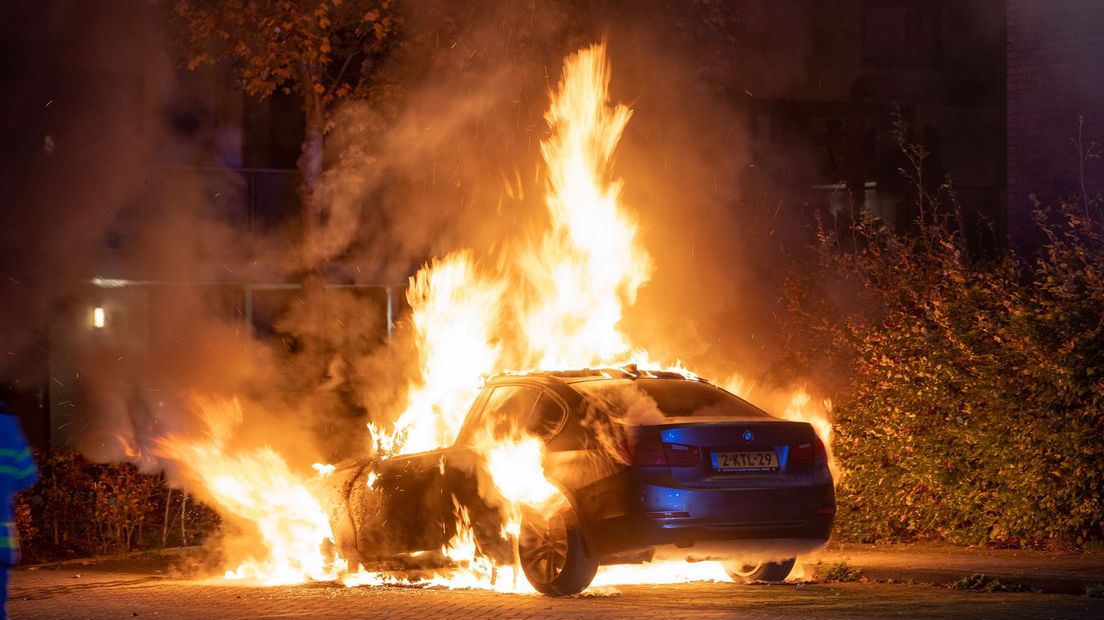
(649, 465)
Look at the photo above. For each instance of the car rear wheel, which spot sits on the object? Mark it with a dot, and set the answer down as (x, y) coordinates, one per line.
(553, 555)
(770, 572)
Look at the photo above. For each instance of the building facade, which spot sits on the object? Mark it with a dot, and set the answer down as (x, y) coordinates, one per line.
(1055, 107)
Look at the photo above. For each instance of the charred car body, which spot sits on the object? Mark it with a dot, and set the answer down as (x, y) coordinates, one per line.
(650, 465)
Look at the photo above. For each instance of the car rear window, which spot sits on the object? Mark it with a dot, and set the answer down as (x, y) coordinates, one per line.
(643, 398)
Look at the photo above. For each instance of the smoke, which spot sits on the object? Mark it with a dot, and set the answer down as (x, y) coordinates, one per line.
(457, 164)
(628, 404)
(86, 117)
(425, 170)
(109, 180)
(689, 159)
(114, 174)
(80, 118)
(450, 159)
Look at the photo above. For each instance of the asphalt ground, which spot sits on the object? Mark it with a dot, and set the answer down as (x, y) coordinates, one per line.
(150, 587)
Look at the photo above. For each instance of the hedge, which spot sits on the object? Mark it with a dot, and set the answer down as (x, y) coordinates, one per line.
(971, 405)
(82, 509)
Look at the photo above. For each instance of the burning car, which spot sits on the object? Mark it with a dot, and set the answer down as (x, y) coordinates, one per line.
(638, 466)
(465, 481)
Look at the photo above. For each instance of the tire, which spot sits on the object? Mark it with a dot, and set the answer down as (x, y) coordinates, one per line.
(552, 554)
(768, 572)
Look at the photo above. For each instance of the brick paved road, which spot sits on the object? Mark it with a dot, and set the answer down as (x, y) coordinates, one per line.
(76, 592)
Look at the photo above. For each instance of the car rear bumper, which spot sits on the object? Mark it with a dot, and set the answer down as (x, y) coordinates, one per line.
(689, 533)
(709, 520)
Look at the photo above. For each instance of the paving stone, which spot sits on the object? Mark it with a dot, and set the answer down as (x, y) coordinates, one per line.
(87, 593)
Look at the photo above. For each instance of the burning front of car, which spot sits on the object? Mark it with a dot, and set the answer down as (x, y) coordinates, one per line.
(539, 443)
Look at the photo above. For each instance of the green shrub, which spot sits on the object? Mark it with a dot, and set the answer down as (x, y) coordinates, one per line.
(973, 408)
(81, 509)
(839, 571)
(981, 583)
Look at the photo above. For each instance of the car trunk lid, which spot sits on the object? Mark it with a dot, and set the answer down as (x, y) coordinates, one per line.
(729, 452)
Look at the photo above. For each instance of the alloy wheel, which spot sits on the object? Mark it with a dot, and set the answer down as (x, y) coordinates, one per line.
(543, 548)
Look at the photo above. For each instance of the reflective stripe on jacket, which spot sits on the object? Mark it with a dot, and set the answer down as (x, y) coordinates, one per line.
(17, 472)
(18, 464)
(9, 545)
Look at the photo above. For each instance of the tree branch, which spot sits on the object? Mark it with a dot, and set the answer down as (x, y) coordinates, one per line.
(345, 65)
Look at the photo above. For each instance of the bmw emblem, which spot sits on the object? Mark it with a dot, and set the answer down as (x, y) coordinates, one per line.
(748, 436)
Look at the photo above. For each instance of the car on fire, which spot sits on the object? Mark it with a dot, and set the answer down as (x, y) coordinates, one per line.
(649, 465)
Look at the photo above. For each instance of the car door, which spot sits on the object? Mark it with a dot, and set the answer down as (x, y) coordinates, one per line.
(414, 507)
(506, 406)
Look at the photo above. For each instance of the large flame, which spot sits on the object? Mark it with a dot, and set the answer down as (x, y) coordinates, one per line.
(590, 263)
(284, 522)
(454, 316)
(568, 295)
(556, 302)
(517, 470)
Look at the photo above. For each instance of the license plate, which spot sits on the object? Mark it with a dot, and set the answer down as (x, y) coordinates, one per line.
(745, 461)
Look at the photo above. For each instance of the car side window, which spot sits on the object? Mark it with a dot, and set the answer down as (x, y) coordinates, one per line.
(546, 417)
(508, 409)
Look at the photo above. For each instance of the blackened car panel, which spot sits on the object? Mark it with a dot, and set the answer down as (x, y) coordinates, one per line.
(406, 486)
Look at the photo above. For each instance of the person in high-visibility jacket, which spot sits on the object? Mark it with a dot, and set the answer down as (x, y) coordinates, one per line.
(17, 472)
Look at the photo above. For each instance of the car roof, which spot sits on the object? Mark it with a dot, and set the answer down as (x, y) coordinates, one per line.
(593, 374)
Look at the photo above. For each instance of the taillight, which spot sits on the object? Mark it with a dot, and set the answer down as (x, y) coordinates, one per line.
(648, 453)
(810, 452)
(651, 453)
(679, 455)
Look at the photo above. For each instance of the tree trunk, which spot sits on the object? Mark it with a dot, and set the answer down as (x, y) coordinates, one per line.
(53, 514)
(310, 169)
(183, 518)
(165, 522)
(311, 164)
(311, 159)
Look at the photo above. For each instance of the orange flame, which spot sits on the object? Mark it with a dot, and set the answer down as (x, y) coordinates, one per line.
(454, 318)
(285, 523)
(517, 470)
(590, 264)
